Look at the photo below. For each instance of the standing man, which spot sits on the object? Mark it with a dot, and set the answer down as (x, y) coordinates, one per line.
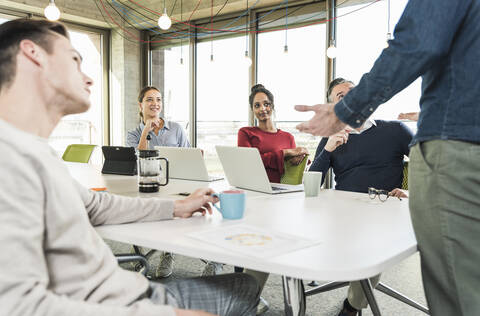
(438, 40)
(53, 261)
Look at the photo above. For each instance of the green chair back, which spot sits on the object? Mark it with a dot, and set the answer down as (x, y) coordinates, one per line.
(293, 174)
(405, 176)
(78, 153)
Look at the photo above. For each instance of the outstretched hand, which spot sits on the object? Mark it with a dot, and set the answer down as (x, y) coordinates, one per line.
(324, 123)
(197, 202)
(413, 116)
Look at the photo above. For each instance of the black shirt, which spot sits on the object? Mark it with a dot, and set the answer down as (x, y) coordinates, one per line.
(373, 158)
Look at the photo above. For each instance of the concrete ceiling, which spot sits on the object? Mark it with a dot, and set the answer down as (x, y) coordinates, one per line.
(87, 11)
(204, 8)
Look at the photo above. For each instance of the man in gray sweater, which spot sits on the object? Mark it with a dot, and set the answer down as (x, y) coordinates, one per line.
(52, 260)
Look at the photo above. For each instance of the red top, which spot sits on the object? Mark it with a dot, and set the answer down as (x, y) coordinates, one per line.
(271, 147)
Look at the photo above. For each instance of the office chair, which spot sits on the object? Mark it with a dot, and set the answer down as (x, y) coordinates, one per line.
(405, 176)
(293, 174)
(78, 153)
(142, 265)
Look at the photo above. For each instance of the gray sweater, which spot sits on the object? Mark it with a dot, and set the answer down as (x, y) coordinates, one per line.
(52, 261)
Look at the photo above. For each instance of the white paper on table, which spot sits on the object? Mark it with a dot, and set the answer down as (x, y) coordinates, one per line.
(253, 241)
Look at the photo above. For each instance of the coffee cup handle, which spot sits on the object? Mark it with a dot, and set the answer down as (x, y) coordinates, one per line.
(215, 204)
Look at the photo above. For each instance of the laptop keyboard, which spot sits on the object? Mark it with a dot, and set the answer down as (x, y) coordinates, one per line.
(278, 188)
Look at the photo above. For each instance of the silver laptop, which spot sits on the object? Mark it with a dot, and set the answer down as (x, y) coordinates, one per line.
(244, 168)
(186, 163)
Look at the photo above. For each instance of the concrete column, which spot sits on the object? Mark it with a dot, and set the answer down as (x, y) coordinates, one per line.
(125, 84)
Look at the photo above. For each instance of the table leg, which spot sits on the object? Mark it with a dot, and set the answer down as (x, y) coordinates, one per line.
(368, 290)
(399, 296)
(294, 296)
(325, 288)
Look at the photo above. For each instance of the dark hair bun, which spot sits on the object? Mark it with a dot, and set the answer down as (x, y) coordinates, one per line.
(257, 87)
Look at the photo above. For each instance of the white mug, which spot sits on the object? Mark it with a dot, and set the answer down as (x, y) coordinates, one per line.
(312, 180)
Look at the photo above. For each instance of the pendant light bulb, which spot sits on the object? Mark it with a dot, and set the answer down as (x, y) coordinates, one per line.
(389, 34)
(247, 60)
(52, 13)
(389, 37)
(332, 51)
(164, 21)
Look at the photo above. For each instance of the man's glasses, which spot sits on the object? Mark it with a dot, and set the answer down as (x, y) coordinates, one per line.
(382, 194)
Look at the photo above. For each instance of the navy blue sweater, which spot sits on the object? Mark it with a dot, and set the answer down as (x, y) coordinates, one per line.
(373, 158)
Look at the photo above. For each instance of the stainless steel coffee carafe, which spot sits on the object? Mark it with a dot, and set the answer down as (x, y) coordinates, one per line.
(151, 173)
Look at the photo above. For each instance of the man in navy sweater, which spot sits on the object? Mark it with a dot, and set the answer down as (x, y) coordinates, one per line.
(371, 156)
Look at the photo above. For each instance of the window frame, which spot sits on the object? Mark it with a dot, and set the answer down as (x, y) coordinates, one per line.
(106, 61)
(253, 47)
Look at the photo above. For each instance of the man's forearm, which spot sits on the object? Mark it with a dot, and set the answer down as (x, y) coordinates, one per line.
(413, 51)
(105, 208)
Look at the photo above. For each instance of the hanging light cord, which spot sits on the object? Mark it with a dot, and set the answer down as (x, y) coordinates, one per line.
(286, 26)
(181, 39)
(211, 32)
(388, 17)
(246, 30)
(109, 19)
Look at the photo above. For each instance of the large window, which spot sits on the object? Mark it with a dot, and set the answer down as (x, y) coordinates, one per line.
(296, 77)
(170, 73)
(361, 37)
(88, 127)
(222, 96)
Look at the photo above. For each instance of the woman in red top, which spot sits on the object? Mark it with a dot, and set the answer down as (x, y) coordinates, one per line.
(274, 144)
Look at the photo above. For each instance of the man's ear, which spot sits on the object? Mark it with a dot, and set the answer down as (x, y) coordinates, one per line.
(32, 51)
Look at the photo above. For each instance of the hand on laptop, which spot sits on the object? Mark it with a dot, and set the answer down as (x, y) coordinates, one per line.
(198, 201)
(184, 312)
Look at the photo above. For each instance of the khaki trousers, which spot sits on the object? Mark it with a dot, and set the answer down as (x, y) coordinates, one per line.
(444, 202)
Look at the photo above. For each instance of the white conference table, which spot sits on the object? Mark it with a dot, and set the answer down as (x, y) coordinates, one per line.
(357, 237)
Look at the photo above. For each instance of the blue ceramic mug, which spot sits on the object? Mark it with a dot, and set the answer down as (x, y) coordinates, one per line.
(232, 203)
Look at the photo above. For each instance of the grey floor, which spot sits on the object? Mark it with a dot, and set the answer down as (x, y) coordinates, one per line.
(405, 278)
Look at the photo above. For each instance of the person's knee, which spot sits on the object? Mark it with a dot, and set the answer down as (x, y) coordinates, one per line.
(252, 283)
(248, 285)
(247, 293)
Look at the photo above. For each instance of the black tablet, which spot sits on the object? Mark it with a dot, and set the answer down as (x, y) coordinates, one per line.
(119, 160)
